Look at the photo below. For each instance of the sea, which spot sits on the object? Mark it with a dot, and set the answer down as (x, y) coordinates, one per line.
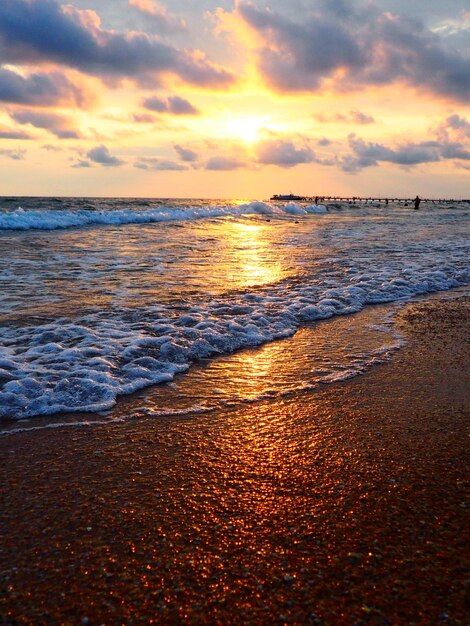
(121, 307)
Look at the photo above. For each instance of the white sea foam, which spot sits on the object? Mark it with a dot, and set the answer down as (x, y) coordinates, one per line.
(84, 365)
(21, 219)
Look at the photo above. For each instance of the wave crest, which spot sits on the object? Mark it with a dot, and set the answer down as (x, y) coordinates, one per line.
(21, 219)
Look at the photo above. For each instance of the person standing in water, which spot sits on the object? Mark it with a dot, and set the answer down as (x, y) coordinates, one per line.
(417, 201)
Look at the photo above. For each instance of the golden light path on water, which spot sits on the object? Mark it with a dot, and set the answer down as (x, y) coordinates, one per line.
(152, 264)
(249, 248)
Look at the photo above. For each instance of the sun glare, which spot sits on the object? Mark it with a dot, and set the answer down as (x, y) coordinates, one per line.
(246, 129)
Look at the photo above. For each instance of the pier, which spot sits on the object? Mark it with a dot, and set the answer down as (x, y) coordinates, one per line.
(367, 199)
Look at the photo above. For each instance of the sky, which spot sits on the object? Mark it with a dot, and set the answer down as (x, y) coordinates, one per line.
(235, 98)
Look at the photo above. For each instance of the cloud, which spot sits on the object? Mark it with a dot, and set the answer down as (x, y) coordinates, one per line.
(296, 57)
(56, 124)
(459, 124)
(10, 133)
(76, 39)
(353, 117)
(101, 155)
(456, 30)
(455, 151)
(283, 153)
(144, 118)
(186, 154)
(160, 18)
(369, 154)
(149, 7)
(223, 163)
(453, 129)
(173, 104)
(40, 89)
(15, 155)
(409, 154)
(150, 163)
(348, 45)
(81, 163)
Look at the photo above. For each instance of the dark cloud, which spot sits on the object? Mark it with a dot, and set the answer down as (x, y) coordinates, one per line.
(436, 11)
(81, 163)
(455, 151)
(296, 57)
(156, 104)
(453, 129)
(223, 163)
(180, 106)
(15, 155)
(458, 123)
(40, 89)
(369, 154)
(361, 118)
(150, 163)
(283, 153)
(186, 154)
(173, 104)
(10, 133)
(352, 164)
(144, 118)
(101, 155)
(338, 8)
(56, 124)
(32, 31)
(352, 45)
(353, 117)
(410, 154)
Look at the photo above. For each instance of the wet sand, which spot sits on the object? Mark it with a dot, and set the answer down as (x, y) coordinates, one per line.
(347, 505)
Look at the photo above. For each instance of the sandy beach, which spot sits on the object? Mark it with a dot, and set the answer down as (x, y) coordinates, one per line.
(345, 505)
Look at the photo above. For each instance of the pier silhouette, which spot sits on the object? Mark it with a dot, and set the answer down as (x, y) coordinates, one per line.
(365, 199)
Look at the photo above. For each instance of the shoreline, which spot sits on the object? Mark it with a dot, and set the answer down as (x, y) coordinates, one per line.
(345, 505)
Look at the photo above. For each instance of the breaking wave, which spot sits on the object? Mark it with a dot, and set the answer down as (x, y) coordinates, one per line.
(85, 364)
(21, 219)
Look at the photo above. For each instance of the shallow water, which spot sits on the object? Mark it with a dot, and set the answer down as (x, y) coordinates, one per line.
(102, 298)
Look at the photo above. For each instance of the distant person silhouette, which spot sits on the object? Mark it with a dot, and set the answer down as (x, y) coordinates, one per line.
(417, 201)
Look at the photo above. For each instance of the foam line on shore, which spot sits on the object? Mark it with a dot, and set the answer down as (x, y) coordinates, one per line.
(85, 365)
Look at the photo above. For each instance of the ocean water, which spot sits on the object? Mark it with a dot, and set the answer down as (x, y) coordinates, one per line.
(103, 298)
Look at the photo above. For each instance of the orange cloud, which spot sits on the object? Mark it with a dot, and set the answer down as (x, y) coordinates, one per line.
(144, 5)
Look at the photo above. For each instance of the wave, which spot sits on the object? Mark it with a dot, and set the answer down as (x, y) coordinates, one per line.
(21, 219)
(84, 365)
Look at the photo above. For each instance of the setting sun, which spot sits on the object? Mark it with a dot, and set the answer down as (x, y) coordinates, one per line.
(246, 129)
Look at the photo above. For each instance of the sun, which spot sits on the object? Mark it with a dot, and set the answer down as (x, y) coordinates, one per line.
(246, 128)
